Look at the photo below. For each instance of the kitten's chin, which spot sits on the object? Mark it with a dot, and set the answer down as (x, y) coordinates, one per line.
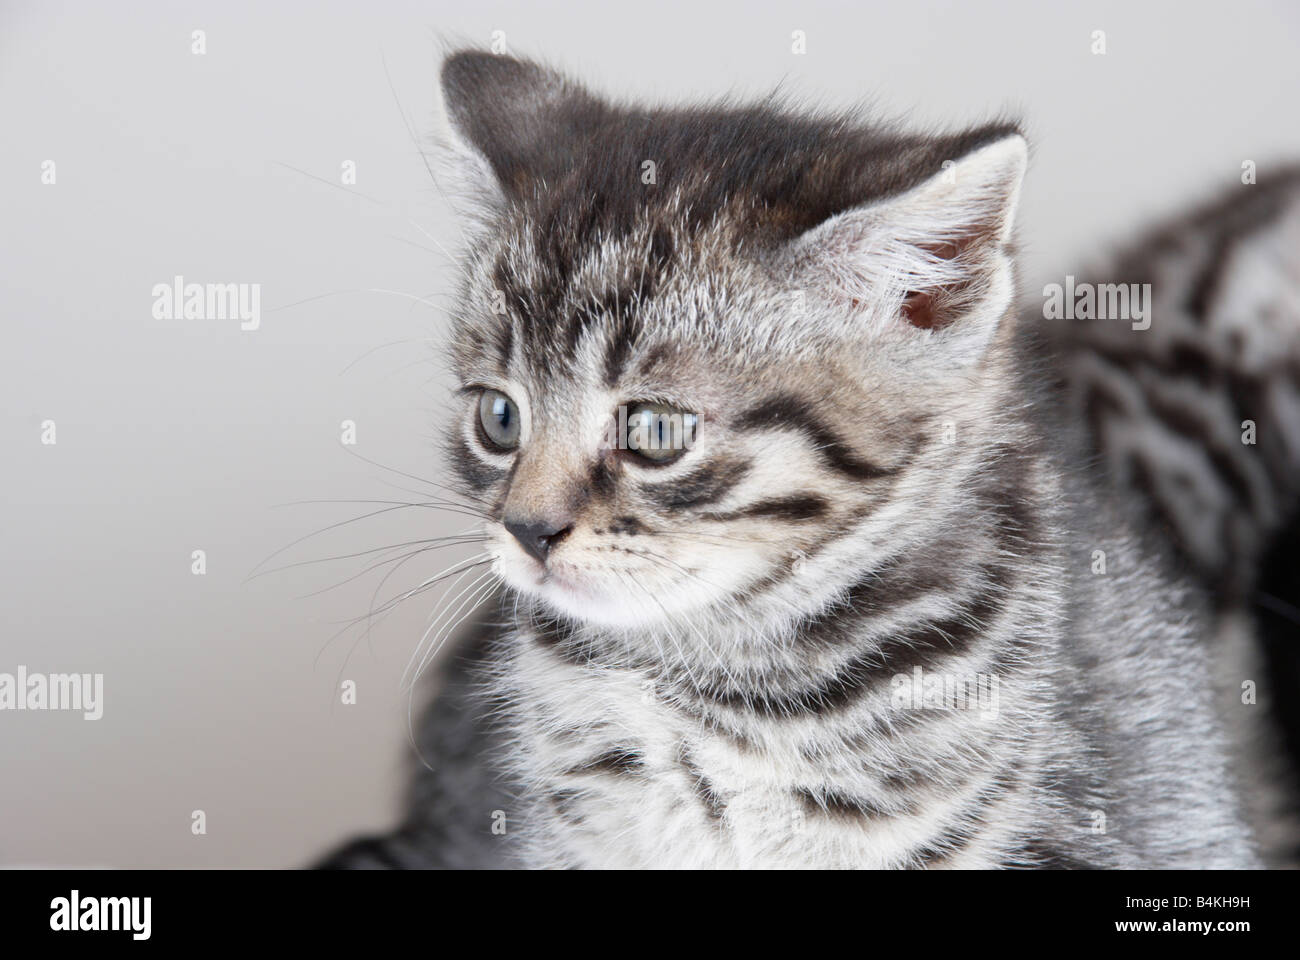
(576, 600)
(590, 599)
(587, 607)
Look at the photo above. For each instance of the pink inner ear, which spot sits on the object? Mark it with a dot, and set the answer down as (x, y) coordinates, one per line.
(934, 309)
(919, 311)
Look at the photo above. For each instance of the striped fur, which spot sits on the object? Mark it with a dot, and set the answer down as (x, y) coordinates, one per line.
(710, 669)
(1167, 405)
(1169, 409)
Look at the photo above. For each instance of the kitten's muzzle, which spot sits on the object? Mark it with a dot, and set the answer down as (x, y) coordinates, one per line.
(538, 538)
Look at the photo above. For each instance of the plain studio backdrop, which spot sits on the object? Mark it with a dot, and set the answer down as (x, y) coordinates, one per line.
(222, 693)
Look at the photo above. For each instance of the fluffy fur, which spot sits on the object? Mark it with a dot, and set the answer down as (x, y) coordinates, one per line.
(710, 667)
(1168, 409)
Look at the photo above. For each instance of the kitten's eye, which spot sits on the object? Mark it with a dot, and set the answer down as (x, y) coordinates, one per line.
(660, 433)
(499, 417)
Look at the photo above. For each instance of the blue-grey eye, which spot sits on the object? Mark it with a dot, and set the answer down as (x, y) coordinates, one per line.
(658, 432)
(499, 418)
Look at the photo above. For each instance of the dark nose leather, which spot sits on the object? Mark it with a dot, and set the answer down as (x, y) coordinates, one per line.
(537, 538)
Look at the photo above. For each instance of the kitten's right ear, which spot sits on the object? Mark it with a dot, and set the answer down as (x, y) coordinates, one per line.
(510, 124)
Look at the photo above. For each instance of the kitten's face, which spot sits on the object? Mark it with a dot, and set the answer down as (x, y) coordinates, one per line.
(770, 443)
(789, 306)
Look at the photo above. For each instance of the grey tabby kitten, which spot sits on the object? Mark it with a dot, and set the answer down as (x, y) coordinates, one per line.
(855, 621)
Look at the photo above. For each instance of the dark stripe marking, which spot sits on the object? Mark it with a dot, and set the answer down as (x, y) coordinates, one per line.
(703, 788)
(839, 805)
(619, 760)
(474, 472)
(792, 508)
(787, 412)
(505, 344)
(924, 645)
(705, 484)
(966, 825)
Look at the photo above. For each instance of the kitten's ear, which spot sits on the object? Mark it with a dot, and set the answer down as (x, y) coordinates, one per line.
(509, 124)
(934, 258)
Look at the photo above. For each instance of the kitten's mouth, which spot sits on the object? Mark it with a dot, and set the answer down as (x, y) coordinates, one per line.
(558, 577)
(541, 575)
(565, 582)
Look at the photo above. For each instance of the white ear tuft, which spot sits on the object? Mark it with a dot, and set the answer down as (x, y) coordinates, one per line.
(934, 257)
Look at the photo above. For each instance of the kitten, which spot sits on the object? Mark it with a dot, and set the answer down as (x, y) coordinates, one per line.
(850, 613)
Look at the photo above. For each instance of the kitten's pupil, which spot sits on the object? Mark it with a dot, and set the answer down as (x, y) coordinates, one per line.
(499, 418)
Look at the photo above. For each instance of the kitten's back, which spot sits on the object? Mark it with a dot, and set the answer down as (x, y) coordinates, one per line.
(1196, 422)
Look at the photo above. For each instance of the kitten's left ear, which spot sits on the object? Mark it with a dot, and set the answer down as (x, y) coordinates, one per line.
(935, 258)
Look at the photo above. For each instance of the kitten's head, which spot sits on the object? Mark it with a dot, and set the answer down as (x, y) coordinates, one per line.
(706, 353)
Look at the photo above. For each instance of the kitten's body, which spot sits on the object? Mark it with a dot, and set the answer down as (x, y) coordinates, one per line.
(1197, 421)
(709, 668)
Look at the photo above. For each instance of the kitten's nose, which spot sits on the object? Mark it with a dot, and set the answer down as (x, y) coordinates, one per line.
(538, 538)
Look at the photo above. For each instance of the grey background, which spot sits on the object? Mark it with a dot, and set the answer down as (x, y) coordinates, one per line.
(221, 692)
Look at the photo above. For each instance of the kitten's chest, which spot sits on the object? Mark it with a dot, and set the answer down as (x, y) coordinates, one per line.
(617, 777)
